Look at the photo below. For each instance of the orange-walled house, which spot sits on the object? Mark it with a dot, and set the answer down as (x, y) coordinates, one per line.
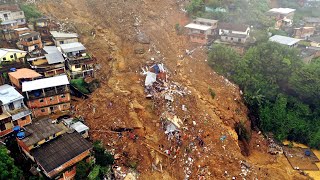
(22, 75)
(52, 149)
(48, 96)
(13, 111)
(30, 41)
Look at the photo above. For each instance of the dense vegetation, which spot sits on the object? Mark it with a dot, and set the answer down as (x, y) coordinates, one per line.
(7, 168)
(237, 11)
(98, 169)
(278, 88)
(30, 11)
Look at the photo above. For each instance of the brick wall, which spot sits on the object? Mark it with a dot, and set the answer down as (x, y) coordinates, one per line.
(48, 110)
(47, 101)
(22, 123)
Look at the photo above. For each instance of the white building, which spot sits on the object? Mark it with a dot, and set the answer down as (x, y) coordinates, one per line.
(284, 40)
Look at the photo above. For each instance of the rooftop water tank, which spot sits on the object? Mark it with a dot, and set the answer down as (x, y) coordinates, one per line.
(13, 69)
(21, 135)
(307, 152)
(16, 129)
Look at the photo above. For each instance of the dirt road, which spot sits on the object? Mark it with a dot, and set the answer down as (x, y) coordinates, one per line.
(121, 102)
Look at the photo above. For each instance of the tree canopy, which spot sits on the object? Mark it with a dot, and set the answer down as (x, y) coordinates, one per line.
(7, 168)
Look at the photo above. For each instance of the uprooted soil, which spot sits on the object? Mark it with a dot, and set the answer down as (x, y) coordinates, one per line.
(109, 29)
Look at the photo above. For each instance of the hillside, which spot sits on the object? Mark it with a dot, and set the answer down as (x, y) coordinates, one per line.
(109, 29)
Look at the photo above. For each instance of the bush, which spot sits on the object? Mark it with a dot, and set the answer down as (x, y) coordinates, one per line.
(212, 93)
(30, 11)
(103, 158)
(80, 85)
(82, 170)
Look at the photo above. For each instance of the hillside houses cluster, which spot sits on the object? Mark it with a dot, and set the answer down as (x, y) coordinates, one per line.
(35, 92)
(207, 31)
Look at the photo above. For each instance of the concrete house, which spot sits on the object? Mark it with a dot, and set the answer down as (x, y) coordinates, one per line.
(234, 33)
(315, 41)
(11, 55)
(30, 41)
(284, 40)
(52, 149)
(60, 38)
(47, 61)
(303, 32)
(48, 96)
(12, 12)
(13, 111)
(44, 26)
(79, 63)
(312, 21)
(283, 16)
(202, 30)
(22, 75)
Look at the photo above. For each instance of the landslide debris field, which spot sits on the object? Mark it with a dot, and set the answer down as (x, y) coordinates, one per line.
(126, 36)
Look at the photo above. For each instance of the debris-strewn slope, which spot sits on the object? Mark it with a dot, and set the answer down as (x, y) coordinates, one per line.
(109, 30)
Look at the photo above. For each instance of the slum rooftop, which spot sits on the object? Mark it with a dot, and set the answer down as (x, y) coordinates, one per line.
(45, 83)
(53, 54)
(8, 94)
(64, 148)
(284, 40)
(57, 34)
(234, 27)
(72, 47)
(281, 10)
(10, 7)
(24, 73)
(4, 51)
(40, 130)
(198, 26)
(206, 20)
(30, 34)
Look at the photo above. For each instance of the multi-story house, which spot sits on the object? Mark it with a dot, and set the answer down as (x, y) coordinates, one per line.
(44, 26)
(11, 55)
(30, 41)
(48, 96)
(47, 61)
(234, 33)
(60, 38)
(284, 40)
(202, 30)
(282, 16)
(12, 12)
(79, 63)
(55, 152)
(18, 76)
(13, 111)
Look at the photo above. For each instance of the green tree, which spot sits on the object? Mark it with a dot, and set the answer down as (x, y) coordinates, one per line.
(82, 170)
(195, 6)
(103, 158)
(30, 11)
(7, 168)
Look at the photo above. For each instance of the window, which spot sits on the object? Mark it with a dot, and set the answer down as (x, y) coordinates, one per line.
(61, 42)
(239, 40)
(54, 135)
(77, 66)
(21, 13)
(35, 145)
(51, 98)
(11, 106)
(24, 118)
(202, 32)
(4, 58)
(1, 111)
(3, 124)
(47, 139)
(43, 110)
(63, 96)
(11, 56)
(231, 39)
(40, 100)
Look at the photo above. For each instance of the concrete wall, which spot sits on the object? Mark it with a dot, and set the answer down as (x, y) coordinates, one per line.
(57, 42)
(233, 39)
(198, 39)
(13, 56)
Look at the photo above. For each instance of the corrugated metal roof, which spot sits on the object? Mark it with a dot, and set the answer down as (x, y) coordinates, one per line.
(55, 153)
(54, 55)
(72, 47)
(45, 83)
(198, 26)
(281, 10)
(57, 34)
(8, 22)
(79, 127)
(284, 40)
(9, 94)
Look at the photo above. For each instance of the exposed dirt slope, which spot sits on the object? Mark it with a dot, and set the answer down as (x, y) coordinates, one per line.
(121, 102)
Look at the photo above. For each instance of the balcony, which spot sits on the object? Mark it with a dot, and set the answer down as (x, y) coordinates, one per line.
(19, 113)
(48, 92)
(4, 115)
(81, 60)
